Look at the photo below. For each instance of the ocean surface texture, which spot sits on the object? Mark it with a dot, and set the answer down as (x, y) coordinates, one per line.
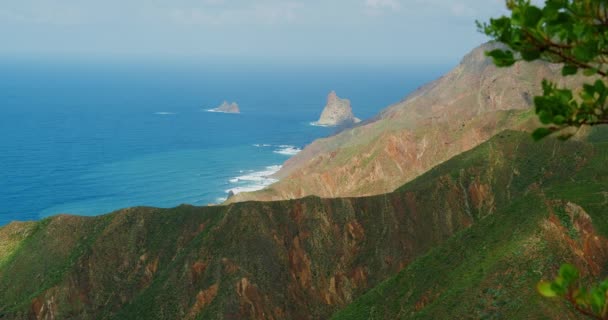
(88, 138)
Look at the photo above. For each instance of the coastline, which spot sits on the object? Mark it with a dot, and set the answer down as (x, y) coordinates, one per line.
(251, 180)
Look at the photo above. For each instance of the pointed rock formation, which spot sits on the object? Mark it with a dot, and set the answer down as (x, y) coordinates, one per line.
(337, 112)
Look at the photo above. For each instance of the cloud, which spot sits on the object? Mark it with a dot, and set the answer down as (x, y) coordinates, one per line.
(383, 4)
(258, 13)
(379, 7)
(213, 2)
(462, 10)
(247, 28)
(43, 16)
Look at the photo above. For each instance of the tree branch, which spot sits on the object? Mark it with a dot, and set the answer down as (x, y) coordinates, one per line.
(549, 46)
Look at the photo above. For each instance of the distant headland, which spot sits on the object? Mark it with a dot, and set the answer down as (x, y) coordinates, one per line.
(337, 112)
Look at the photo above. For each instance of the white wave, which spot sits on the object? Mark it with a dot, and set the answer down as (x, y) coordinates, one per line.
(220, 200)
(288, 150)
(258, 175)
(316, 124)
(260, 145)
(254, 181)
(219, 111)
(252, 188)
(164, 113)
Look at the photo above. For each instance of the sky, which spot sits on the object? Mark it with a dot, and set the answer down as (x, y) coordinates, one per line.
(301, 31)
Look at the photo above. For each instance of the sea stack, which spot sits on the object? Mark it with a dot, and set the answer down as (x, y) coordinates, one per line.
(227, 108)
(337, 112)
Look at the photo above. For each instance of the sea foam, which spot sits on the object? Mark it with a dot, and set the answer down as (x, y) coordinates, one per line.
(316, 124)
(218, 111)
(254, 180)
(288, 150)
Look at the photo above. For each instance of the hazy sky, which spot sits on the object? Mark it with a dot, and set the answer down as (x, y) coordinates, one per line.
(359, 31)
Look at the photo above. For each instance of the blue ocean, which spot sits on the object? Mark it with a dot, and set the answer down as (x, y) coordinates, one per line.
(90, 138)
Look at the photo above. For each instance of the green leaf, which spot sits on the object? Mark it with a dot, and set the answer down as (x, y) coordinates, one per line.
(568, 272)
(532, 16)
(599, 86)
(597, 299)
(559, 119)
(551, 10)
(568, 70)
(544, 288)
(530, 55)
(545, 117)
(559, 287)
(540, 133)
(502, 58)
(582, 53)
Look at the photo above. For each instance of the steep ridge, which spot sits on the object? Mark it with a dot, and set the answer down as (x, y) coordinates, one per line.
(451, 115)
(490, 270)
(306, 258)
(301, 259)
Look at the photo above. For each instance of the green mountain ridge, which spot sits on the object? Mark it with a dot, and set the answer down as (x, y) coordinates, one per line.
(296, 259)
(490, 271)
(468, 239)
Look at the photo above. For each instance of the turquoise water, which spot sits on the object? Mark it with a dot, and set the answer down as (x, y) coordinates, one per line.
(88, 139)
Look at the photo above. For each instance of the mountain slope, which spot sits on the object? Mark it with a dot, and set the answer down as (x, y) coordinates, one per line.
(489, 271)
(442, 119)
(301, 259)
(308, 258)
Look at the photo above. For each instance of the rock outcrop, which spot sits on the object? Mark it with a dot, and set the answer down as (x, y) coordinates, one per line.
(226, 107)
(442, 119)
(337, 112)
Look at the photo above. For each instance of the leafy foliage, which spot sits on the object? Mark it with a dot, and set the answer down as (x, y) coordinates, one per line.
(588, 301)
(573, 33)
(570, 32)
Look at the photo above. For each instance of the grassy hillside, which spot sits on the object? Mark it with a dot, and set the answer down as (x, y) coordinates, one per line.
(301, 259)
(489, 271)
(474, 235)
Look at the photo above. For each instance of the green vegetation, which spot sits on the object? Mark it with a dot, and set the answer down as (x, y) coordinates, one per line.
(571, 32)
(574, 33)
(490, 271)
(474, 235)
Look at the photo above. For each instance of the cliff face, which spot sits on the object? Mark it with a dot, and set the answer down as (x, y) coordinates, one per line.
(337, 112)
(451, 115)
(308, 258)
(226, 107)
